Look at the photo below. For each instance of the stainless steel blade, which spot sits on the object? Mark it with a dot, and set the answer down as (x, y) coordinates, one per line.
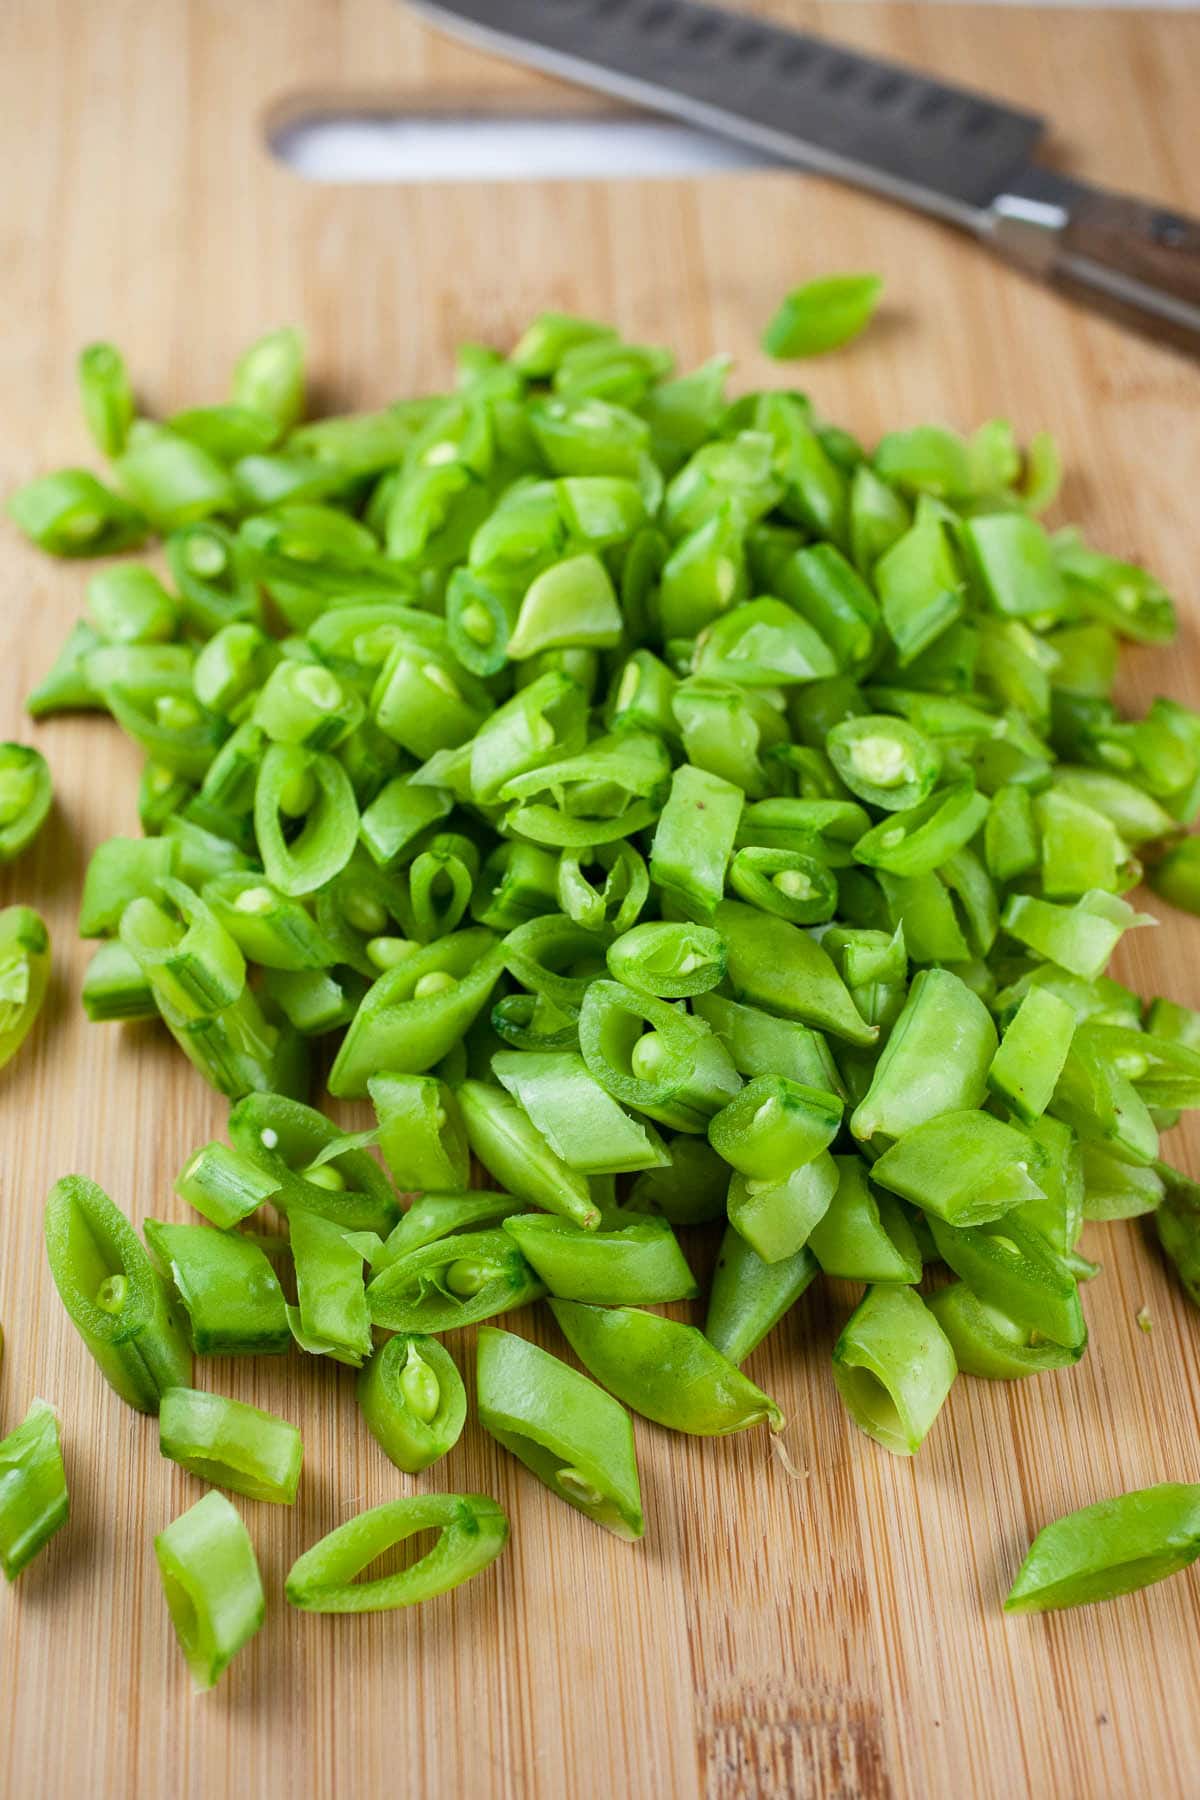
(944, 149)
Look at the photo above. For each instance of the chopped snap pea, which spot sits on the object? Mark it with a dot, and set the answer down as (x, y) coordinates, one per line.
(684, 809)
(823, 315)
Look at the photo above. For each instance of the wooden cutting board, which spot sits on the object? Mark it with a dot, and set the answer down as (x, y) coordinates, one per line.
(839, 1634)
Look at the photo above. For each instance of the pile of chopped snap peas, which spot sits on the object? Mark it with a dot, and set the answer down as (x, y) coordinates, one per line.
(690, 815)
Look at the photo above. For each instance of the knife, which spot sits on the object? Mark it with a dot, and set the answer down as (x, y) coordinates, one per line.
(945, 150)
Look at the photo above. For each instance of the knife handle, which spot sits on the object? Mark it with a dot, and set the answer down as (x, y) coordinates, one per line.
(1128, 250)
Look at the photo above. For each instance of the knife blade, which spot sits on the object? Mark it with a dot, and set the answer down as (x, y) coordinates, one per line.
(946, 150)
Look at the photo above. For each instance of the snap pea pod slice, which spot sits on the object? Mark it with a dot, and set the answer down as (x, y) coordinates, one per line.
(666, 1371)
(413, 1400)
(472, 1531)
(575, 1438)
(1109, 1549)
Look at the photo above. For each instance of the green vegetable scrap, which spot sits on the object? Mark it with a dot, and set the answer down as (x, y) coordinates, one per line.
(696, 816)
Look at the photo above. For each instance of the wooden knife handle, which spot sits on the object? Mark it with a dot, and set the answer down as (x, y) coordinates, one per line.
(1133, 238)
(1125, 250)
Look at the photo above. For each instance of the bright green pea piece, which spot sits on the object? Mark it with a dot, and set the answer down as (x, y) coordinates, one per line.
(822, 315)
(639, 1263)
(777, 1215)
(988, 1344)
(666, 1371)
(26, 793)
(864, 1235)
(33, 1489)
(113, 1295)
(24, 976)
(453, 1281)
(965, 1167)
(413, 1400)
(212, 1586)
(893, 1366)
(472, 1530)
(669, 961)
(231, 1444)
(748, 1296)
(575, 1438)
(1109, 1549)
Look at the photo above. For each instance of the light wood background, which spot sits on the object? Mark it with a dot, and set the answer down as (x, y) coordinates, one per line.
(836, 1635)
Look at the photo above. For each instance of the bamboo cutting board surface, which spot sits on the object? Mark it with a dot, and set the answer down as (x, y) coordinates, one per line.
(834, 1635)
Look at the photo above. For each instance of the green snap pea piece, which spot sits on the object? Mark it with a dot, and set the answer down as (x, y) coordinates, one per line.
(508, 1143)
(668, 961)
(760, 1044)
(638, 1263)
(614, 901)
(987, 1343)
(779, 967)
(894, 1367)
(212, 1586)
(120, 870)
(311, 1164)
(332, 1317)
(923, 837)
(434, 1216)
(1013, 1268)
(130, 605)
(298, 784)
(173, 481)
(1025, 1069)
(666, 1371)
(114, 987)
(776, 1215)
(1079, 938)
(748, 1296)
(413, 1400)
(421, 1131)
(791, 883)
(231, 1444)
(26, 794)
(106, 394)
(226, 1287)
(472, 1531)
(864, 1235)
(1177, 1222)
(225, 1185)
(113, 1296)
(935, 1061)
(920, 586)
(773, 1126)
(268, 378)
(1099, 1102)
(416, 1012)
(66, 686)
(269, 927)
(1109, 1549)
(1114, 1189)
(885, 761)
(964, 1167)
(453, 1281)
(24, 976)
(574, 1437)
(694, 837)
(822, 315)
(579, 1120)
(70, 513)
(1177, 876)
(33, 1489)
(1013, 561)
(655, 1057)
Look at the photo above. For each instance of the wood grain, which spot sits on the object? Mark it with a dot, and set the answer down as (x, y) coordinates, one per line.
(836, 1635)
